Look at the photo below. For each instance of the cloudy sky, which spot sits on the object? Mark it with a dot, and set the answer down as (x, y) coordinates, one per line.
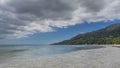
(31, 19)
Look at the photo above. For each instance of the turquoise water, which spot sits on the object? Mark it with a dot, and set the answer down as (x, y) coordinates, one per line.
(8, 51)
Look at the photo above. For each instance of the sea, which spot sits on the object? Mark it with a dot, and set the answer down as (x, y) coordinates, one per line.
(27, 50)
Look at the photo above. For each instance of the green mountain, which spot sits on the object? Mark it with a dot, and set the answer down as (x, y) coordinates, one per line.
(108, 35)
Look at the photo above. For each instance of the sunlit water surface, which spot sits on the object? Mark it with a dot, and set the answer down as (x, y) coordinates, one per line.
(9, 51)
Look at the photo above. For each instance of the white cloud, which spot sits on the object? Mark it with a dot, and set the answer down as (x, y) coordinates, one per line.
(20, 18)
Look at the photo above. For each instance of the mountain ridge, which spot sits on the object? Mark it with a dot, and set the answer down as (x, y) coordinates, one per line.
(107, 35)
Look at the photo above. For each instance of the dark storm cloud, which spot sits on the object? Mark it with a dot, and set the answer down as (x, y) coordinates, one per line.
(19, 18)
(51, 9)
(93, 5)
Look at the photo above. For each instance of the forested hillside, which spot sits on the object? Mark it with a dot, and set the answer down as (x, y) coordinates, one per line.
(108, 35)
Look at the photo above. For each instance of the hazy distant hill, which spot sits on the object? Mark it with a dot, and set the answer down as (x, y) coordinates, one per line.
(108, 35)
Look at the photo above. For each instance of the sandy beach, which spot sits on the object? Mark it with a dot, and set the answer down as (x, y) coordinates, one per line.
(108, 57)
(116, 46)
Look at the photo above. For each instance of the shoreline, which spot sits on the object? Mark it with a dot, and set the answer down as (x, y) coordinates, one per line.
(116, 46)
(94, 58)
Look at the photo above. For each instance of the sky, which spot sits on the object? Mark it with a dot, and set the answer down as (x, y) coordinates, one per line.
(48, 21)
